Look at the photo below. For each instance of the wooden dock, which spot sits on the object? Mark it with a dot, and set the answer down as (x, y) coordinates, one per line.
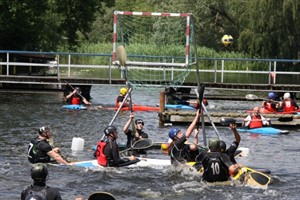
(181, 117)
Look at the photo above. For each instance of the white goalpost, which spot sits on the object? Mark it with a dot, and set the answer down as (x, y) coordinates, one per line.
(159, 46)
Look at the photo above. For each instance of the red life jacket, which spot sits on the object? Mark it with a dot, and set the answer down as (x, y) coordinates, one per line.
(75, 100)
(288, 106)
(101, 157)
(255, 122)
(269, 107)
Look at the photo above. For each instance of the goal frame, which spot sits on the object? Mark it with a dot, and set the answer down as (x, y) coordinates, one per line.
(187, 62)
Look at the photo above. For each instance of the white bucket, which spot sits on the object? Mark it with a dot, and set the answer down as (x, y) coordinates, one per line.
(77, 144)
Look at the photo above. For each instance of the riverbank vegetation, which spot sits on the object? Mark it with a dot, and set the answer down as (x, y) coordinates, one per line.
(261, 29)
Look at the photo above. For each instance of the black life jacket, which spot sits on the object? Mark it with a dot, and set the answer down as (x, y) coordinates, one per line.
(37, 195)
(34, 153)
(180, 155)
(215, 169)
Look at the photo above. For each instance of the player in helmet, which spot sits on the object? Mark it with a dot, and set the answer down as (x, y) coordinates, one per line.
(217, 166)
(178, 150)
(38, 190)
(107, 152)
(271, 105)
(288, 104)
(120, 98)
(40, 151)
(136, 134)
(75, 97)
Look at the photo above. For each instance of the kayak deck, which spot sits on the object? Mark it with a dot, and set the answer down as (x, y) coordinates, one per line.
(264, 131)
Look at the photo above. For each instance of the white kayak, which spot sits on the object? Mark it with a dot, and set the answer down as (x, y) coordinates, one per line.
(144, 162)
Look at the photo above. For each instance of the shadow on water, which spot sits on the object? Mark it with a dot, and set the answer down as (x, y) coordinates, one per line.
(22, 114)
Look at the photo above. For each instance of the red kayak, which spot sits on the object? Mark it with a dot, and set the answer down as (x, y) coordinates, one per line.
(265, 111)
(137, 108)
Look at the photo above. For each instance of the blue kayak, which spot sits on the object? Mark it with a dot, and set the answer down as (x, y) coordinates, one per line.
(179, 107)
(264, 131)
(75, 107)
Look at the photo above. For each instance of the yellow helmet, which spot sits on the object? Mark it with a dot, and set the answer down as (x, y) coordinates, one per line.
(123, 91)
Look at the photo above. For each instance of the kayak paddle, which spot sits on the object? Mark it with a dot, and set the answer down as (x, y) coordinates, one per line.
(140, 144)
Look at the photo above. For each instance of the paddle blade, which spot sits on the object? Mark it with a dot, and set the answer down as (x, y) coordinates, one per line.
(251, 97)
(121, 55)
(142, 144)
(285, 119)
(101, 196)
(201, 93)
(227, 121)
(258, 179)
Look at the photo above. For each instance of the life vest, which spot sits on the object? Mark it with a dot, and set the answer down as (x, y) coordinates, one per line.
(215, 169)
(34, 154)
(34, 194)
(288, 106)
(75, 100)
(101, 157)
(180, 155)
(268, 106)
(255, 122)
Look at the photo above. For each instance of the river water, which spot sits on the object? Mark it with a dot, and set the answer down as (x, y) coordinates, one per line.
(22, 113)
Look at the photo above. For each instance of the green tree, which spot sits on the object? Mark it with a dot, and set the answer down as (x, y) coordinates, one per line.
(271, 29)
(46, 25)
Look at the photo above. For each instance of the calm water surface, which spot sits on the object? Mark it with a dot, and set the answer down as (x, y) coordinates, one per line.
(22, 113)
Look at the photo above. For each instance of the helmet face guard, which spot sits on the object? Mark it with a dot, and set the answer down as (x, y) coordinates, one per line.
(45, 131)
(111, 130)
(139, 121)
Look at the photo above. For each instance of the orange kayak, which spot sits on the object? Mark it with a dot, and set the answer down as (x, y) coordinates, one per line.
(137, 108)
(265, 111)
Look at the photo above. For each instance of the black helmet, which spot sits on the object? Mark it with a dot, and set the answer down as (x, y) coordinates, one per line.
(39, 172)
(214, 145)
(78, 90)
(139, 121)
(110, 129)
(222, 146)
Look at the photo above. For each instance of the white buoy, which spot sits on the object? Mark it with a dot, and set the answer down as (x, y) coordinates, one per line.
(77, 144)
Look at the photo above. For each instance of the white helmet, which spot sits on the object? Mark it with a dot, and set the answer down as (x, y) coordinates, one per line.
(286, 95)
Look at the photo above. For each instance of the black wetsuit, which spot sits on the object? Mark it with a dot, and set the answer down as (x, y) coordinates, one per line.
(181, 152)
(216, 166)
(111, 151)
(42, 190)
(231, 151)
(38, 151)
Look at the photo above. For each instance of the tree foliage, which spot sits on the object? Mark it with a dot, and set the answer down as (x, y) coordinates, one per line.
(261, 28)
(46, 25)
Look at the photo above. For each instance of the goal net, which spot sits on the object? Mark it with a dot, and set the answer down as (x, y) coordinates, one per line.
(159, 47)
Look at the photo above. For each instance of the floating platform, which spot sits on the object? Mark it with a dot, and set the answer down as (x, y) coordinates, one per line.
(177, 117)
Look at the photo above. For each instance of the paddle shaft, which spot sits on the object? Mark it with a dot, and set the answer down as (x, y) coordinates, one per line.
(118, 111)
